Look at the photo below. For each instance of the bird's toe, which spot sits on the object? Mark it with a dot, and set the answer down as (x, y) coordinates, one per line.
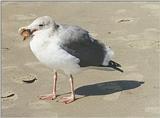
(47, 97)
(67, 100)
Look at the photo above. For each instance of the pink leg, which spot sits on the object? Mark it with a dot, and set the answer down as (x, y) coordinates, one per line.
(71, 98)
(51, 96)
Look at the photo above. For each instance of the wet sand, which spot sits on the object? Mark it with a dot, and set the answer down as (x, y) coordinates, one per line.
(133, 32)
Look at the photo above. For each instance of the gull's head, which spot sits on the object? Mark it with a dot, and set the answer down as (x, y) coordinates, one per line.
(38, 24)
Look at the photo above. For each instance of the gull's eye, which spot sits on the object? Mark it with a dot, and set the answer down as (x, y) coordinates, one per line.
(41, 25)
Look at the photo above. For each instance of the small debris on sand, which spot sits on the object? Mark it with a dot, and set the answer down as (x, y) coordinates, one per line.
(5, 48)
(30, 81)
(10, 95)
(123, 20)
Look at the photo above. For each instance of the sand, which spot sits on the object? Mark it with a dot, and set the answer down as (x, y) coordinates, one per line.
(131, 29)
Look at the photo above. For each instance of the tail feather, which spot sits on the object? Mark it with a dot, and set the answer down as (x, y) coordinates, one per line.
(114, 65)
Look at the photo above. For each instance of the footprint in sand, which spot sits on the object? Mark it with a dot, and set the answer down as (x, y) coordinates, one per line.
(112, 97)
(145, 40)
(41, 104)
(130, 68)
(133, 76)
(142, 44)
(8, 97)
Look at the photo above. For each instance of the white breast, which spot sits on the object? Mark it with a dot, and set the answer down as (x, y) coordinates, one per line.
(47, 50)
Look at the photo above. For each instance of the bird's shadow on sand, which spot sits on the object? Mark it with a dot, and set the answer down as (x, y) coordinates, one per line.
(105, 88)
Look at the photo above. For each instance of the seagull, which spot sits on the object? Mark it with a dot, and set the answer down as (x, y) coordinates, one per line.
(70, 49)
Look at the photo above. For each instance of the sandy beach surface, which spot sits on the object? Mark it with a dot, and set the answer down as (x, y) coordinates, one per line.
(131, 29)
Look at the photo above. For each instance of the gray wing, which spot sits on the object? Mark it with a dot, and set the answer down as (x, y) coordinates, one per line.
(78, 43)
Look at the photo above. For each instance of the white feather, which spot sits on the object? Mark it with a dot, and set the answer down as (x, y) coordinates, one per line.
(108, 56)
(46, 48)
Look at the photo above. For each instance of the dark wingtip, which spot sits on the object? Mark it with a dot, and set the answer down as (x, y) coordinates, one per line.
(115, 66)
(118, 69)
(141, 82)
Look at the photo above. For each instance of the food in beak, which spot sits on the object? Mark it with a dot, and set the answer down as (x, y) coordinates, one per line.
(26, 33)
